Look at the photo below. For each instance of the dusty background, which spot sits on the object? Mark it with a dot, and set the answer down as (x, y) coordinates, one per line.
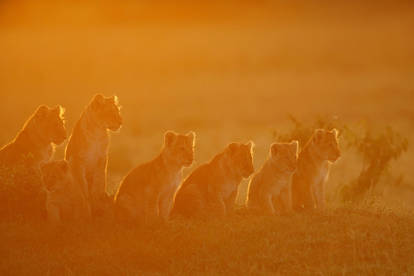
(229, 71)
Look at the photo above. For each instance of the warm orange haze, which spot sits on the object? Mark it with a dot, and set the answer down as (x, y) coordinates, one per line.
(206, 138)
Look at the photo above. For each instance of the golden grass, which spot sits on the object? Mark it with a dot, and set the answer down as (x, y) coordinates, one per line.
(341, 241)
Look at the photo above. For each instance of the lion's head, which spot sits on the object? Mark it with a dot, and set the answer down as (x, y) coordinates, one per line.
(180, 147)
(240, 158)
(285, 155)
(50, 124)
(326, 144)
(106, 112)
(56, 175)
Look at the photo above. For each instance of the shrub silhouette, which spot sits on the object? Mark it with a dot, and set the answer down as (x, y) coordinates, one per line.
(303, 131)
(376, 149)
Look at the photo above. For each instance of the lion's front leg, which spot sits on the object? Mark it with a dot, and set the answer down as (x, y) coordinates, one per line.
(313, 196)
(231, 201)
(79, 176)
(165, 206)
(285, 199)
(320, 196)
(53, 213)
(218, 206)
(268, 205)
(151, 210)
(97, 187)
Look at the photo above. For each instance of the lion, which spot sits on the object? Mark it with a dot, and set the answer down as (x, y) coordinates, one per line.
(147, 193)
(87, 149)
(34, 144)
(314, 161)
(274, 176)
(64, 199)
(21, 190)
(212, 187)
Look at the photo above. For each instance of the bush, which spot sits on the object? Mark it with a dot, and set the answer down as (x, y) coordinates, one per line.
(303, 131)
(375, 148)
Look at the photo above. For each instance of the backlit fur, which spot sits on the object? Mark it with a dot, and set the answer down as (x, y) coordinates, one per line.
(308, 182)
(212, 187)
(275, 175)
(148, 192)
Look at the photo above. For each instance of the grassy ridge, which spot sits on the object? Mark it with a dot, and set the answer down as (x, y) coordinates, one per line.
(339, 241)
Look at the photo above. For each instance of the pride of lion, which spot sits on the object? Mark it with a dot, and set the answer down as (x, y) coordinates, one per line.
(75, 188)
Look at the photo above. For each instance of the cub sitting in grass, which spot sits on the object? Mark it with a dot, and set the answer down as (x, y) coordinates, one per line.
(308, 182)
(36, 140)
(147, 193)
(275, 175)
(21, 192)
(87, 150)
(213, 186)
(64, 199)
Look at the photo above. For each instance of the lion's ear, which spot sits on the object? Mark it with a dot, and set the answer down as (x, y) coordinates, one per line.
(97, 101)
(318, 135)
(233, 148)
(42, 111)
(115, 99)
(250, 145)
(295, 146)
(59, 110)
(169, 138)
(334, 131)
(191, 135)
(274, 149)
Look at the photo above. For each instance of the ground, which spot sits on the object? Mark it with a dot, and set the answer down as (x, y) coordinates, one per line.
(340, 241)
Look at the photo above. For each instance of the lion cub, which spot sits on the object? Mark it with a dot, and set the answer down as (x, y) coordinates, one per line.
(21, 190)
(314, 162)
(213, 186)
(148, 191)
(64, 200)
(44, 129)
(87, 150)
(275, 175)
